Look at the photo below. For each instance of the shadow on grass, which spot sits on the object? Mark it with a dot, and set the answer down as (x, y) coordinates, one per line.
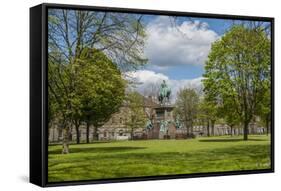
(83, 143)
(229, 140)
(96, 150)
(120, 165)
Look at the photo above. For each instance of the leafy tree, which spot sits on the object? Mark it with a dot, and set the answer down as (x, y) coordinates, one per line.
(237, 71)
(100, 88)
(119, 36)
(187, 108)
(264, 110)
(94, 91)
(231, 118)
(208, 112)
(136, 117)
(58, 94)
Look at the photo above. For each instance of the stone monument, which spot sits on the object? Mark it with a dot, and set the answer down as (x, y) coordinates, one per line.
(164, 127)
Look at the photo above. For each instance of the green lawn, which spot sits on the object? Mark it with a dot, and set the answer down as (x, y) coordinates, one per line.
(158, 157)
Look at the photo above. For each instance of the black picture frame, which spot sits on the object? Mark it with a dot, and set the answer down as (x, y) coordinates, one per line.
(39, 101)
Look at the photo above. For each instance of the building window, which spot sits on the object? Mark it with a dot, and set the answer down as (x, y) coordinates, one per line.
(113, 120)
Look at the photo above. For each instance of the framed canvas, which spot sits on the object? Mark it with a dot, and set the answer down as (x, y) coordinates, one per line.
(121, 95)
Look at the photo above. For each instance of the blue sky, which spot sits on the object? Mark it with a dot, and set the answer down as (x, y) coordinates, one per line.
(189, 70)
(177, 51)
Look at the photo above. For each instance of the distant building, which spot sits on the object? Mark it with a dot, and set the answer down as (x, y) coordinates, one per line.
(115, 128)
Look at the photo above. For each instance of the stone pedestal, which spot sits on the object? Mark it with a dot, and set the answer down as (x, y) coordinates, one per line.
(165, 113)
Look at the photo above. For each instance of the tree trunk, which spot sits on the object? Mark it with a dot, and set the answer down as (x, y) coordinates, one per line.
(213, 127)
(95, 133)
(231, 130)
(208, 128)
(187, 129)
(246, 123)
(132, 134)
(267, 126)
(87, 132)
(77, 132)
(65, 146)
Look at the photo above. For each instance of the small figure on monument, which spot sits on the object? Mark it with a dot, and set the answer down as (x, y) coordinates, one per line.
(164, 93)
(178, 123)
(149, 124)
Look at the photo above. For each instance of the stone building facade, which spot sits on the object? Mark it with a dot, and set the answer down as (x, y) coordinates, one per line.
(115, 128)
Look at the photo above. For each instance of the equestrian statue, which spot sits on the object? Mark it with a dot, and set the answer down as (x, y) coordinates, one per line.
(164, 93)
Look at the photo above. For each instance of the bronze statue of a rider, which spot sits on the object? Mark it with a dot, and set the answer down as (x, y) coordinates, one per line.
(164, 93)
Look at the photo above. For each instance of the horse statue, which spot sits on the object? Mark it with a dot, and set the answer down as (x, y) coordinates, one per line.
(164, 93)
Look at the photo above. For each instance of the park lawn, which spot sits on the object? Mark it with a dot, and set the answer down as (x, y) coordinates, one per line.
(121, 159)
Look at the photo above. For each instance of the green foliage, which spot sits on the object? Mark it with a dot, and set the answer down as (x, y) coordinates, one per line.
(99, 86)
(208, 113)
(208, 110)
(88, 89)
(187, 107)
(237, 73)
(136, 117)
(83, 83)
(264, 110)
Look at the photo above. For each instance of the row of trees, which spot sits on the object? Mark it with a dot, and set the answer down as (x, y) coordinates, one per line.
(88, 91)
(237, 82)
(87, 53)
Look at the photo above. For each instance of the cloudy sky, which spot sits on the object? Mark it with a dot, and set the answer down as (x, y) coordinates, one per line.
(177, 50)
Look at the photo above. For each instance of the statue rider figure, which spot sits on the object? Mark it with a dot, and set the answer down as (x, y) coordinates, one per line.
(163, 85)
(165, 92)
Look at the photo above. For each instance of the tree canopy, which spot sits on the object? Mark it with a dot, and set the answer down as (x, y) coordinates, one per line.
(187, 107)
(90, 89)
(99, 86)
(136, 117)
(237, 72)
(87, 50)
(119, 36)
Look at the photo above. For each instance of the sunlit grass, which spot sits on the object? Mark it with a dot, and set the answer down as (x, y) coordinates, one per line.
(158, 157)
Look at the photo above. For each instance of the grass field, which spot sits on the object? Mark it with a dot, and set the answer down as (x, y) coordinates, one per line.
(158, 157)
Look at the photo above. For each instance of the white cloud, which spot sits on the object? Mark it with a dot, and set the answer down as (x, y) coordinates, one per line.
(145, 79)
(147, 76)
(184, 44)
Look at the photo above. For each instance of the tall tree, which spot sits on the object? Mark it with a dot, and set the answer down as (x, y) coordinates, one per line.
(264, 111)
(119, 36)
(151, 92)
(237, 71)
(58, 94)
(208, 112)
(187, 103)
(100, 88)
(230, 117)
(136, 117)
